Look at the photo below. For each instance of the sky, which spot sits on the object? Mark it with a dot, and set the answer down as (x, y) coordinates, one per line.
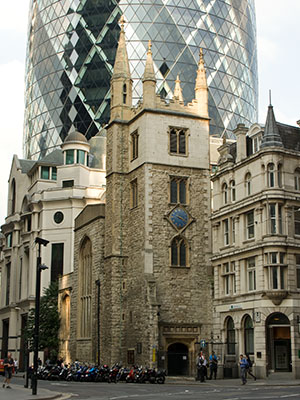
(278, 34)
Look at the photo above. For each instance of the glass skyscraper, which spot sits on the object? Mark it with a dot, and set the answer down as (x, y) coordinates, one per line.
(71, 50)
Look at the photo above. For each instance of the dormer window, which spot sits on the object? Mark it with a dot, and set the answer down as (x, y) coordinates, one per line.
(45, 172)
(48, 173)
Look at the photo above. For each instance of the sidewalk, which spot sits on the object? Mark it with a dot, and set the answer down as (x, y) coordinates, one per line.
(180, 380)
(18, 392)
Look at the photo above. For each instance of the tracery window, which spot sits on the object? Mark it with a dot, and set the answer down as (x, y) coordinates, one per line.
(178, 189)
(178, 141)
(179, 252)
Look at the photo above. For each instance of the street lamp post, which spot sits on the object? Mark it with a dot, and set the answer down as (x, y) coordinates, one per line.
(39, 268)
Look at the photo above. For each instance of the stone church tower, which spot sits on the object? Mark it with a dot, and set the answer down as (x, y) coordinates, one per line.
(156, 278)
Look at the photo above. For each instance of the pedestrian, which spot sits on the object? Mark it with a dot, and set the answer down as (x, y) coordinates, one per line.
(8, 370)
(243, 368)
(16, 365)
(201, 367)
(249, 367)
(213, 365)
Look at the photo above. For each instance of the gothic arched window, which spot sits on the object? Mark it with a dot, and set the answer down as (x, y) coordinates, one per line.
(13, 196)
(232, 190)
(225, 193)
(124, 93)
(297, 179)
(249, 335)
(179, 252)
(85, 288)
(230, 335)
(271, 175)
(248, 184)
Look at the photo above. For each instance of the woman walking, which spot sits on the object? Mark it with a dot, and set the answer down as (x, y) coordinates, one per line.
(249, 367)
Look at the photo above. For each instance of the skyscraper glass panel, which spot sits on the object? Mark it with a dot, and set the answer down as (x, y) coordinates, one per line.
(72, 46)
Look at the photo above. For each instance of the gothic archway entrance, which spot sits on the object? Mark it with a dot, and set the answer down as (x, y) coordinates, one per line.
(178, 359)
(278, 342)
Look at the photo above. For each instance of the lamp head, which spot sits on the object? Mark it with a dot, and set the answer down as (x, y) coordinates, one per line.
(39, 240)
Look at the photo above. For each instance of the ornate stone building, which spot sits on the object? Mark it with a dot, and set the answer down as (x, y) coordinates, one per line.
(44, 198)
(142, 292)
(256, 248)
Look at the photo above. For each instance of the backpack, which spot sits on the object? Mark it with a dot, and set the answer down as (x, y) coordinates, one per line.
(249, 363)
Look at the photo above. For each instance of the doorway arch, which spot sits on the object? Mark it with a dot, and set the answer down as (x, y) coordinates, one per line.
(278, 342)
(178, 359)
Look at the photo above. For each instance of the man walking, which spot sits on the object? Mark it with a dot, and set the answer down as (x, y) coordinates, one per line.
(8, 370)
(243, 368)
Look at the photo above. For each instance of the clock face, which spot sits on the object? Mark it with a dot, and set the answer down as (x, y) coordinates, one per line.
(179, 218)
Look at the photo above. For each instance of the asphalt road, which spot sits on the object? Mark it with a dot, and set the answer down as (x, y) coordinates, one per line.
(207, 391)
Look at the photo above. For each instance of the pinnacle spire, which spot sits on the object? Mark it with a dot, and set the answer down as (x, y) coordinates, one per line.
(121, 67)
(178, 90)
(201, 82)
(201, 88)
(271, 135)
(149, 74)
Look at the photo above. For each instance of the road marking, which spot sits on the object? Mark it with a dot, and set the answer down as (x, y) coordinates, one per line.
(288, 395)
(59, 384)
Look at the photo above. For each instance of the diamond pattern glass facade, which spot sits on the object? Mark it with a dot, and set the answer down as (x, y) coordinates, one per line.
(71, 50)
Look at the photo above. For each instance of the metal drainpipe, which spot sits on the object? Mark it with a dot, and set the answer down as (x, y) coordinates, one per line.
(98, 321)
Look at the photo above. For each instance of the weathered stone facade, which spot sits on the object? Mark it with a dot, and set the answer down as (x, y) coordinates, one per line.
(88, 225)
(150, 303)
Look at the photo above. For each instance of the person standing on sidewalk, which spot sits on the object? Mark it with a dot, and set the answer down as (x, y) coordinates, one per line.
(249, 368)
(8, 370)
(201, 367)
(243, 368)
(213, 365)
